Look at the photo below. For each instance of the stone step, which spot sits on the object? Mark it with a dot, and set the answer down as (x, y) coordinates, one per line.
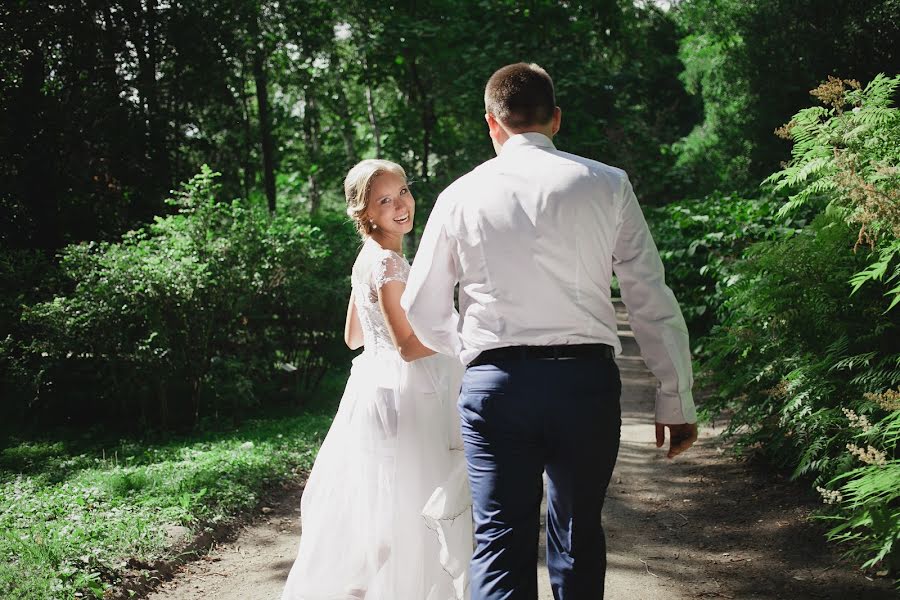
(632, 366)
(629, 344)
(630, 362)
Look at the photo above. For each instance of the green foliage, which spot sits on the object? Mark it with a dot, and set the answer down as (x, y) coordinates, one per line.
(200, 314)
(73, 514)
(122, 101)
(701, 243)
(801, 332)
(753, 63)
(715, 155)
(850, 161)
(795, 348)
(26, 277)
(868, 497)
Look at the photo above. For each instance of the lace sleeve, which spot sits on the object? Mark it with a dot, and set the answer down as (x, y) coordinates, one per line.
(390, 267)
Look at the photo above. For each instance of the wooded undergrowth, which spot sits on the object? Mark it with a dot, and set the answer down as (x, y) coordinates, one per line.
(793, 303)
(211, 313)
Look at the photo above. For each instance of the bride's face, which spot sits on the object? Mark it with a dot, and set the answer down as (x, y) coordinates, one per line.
(390, 206)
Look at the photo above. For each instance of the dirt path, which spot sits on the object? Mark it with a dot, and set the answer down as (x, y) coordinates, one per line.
(701, 526)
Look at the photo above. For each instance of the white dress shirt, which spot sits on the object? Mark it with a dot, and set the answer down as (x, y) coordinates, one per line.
(533, 237)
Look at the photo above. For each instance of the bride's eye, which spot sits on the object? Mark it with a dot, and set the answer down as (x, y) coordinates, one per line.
(384, 200)
(404, 191)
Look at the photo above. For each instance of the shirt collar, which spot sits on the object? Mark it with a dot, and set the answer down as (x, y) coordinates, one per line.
(529, 138)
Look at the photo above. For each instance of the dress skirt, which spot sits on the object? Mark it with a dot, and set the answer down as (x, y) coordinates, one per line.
(386, 512)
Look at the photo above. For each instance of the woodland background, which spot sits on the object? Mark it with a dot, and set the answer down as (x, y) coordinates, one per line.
(174, 255)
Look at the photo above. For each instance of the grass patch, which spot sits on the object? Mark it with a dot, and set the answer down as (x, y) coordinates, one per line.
(72, 514)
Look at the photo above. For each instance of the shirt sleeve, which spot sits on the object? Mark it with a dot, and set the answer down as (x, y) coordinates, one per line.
(655, 316)
(428, 298)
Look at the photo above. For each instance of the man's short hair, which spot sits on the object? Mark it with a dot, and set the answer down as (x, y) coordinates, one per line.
(520, 95)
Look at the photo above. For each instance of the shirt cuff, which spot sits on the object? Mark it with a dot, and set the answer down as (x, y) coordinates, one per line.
(675, 409)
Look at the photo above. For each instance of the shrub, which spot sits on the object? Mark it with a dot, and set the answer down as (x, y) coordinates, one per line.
(701, 242)
(808, 348)
(26, 277)
(851, 159)
(197, 314)
(796, 350)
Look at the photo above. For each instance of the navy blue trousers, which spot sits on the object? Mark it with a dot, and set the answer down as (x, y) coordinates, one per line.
(520, 418)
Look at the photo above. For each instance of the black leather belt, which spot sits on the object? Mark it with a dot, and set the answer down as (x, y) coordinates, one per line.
(544, 352)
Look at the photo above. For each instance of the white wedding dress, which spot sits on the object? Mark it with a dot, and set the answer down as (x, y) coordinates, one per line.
(386, 513)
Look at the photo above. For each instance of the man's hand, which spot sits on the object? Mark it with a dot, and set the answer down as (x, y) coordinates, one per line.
(681, 437)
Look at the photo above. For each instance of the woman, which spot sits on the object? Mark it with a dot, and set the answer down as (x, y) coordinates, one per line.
(386, 510)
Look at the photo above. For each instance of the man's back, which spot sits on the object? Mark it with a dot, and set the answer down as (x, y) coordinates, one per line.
(533, 237)
(535, 230)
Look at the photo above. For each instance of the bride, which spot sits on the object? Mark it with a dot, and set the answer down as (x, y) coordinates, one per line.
(386, 511)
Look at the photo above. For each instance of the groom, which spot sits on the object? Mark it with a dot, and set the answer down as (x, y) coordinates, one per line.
(533, 237)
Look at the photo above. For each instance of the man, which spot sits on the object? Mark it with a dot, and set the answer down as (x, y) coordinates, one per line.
(533, 237)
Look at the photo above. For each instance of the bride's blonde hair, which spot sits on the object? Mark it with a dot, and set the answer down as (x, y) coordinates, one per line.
(357, 185)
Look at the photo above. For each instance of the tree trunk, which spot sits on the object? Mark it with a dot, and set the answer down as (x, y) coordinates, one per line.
(195, 401)
(145, 46)
(373, 118)
(260, 77)
(429, 120)
(311, 134)
(157, 122)
(40, 194)
(342, 109)
(162, 398)
(248, 166)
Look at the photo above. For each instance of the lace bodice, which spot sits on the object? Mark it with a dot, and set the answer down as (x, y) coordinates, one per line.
(373, 268)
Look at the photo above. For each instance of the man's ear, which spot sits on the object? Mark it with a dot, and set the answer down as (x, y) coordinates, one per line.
(493, 124)
(557, 120)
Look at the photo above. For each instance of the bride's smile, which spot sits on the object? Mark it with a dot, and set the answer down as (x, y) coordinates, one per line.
(391, 209)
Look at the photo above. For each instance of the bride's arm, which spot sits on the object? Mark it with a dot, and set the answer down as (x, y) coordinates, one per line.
(408, 345)
(353, 336)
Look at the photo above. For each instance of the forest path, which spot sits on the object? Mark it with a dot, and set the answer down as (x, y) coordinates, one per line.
(700, 526)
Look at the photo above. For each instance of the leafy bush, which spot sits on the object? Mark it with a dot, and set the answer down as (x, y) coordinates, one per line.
(203, 313)
(701, 241)
(796, 349)
(26, 277)
(808, 348)
(851, 158)
(868, 496)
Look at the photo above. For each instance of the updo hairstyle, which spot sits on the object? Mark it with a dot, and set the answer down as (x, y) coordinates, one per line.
(357, 186)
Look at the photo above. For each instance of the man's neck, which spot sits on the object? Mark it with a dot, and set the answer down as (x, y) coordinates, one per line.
(546, 130)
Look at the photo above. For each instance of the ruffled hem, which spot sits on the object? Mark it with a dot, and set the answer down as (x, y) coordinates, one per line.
(449, 514)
